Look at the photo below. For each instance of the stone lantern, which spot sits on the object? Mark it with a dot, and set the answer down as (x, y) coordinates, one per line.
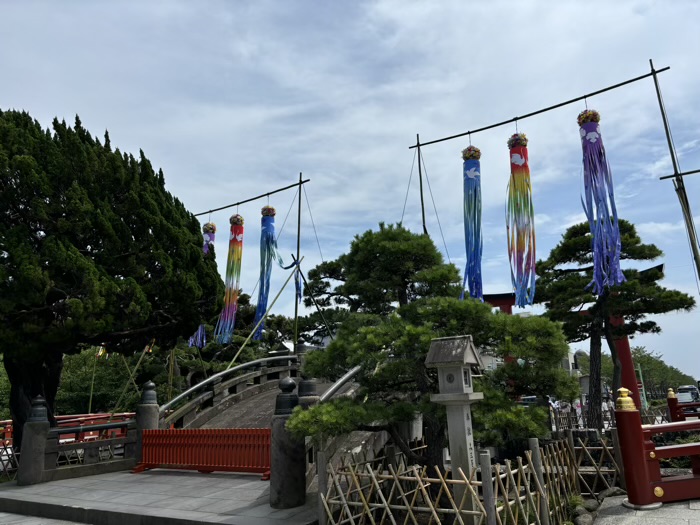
(456, 359)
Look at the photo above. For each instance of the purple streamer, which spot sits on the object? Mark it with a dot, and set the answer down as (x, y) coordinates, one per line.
(209, 239)
(199, 339)
(599, 205)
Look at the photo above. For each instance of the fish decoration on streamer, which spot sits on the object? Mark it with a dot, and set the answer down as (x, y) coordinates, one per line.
(520, 222)
(599, 205)
(268, 254)
(472, 222)
(209, 234)
(227, 319)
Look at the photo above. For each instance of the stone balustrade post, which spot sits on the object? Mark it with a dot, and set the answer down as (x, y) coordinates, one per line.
(288, 454)
(33, 446)
(147, 415)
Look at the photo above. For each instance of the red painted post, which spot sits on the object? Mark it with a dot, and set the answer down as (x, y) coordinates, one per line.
(502, 301)
(675, 412)
(631, 435)
(624, 354)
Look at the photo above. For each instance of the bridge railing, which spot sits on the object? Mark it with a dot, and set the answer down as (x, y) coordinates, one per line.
(679, 411)
(84, 429)
(641, 456)
(7, 427)
(205, 400)
(84, 450)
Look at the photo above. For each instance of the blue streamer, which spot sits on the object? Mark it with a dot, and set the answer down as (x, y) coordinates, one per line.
(268, 254)
(472, 229)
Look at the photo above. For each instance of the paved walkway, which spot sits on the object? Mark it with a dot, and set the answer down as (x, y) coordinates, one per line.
(155, 497)
(18, 519)
(612, 512)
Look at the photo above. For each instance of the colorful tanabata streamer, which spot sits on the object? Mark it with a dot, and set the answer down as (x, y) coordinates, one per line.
(199, 339)
(520, 222)
(472, 222)
(268, 254)
(209, 233)
(224, 327)
(599, 205)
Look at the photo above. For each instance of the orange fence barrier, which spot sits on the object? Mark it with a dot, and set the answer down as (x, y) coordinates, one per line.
(207, 450)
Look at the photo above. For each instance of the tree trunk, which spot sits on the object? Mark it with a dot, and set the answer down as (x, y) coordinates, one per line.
(434, 436)
(617, 365)
(595, 416)
(30, 378)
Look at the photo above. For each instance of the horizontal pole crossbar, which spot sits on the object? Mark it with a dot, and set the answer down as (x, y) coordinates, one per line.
(253, 198)
(683, 174)
(533, 113)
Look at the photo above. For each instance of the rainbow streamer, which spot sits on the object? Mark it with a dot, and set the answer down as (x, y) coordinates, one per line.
(520, 222)
(472, 222)
(599, 205)
(227, 319)
(268, 254)
(209, 234)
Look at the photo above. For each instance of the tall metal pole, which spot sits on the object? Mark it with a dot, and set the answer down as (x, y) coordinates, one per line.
(678, 183)
(420, 179)
(297, 269)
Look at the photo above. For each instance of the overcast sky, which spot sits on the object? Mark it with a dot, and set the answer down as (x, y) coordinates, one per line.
(235, 99)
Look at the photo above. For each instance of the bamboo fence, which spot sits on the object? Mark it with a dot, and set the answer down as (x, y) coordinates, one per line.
(535, 489)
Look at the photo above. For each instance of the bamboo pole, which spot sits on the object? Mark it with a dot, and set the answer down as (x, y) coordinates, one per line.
(131, 377)
(92, 383)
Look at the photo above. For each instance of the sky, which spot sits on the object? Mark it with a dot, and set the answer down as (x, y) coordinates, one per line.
(233, 99)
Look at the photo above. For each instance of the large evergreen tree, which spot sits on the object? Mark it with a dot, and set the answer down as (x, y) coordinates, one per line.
(93, 250)
(563, 286)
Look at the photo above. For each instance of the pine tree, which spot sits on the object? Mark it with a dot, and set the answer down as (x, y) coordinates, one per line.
(563, 286)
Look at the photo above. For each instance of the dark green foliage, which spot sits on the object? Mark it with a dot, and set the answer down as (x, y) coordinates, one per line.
(93, 250)
(4, 394)
(387, 329)
(563, 279)
(657, 374)
(384, 268)
(395, 382)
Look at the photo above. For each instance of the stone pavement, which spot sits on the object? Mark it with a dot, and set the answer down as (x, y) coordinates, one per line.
(155, 497)
(18, 519)
(611, 512)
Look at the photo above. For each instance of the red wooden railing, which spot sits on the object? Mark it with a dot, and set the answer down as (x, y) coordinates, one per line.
(76, 420)
(640, 456)
(676, 410)
(207, 450)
